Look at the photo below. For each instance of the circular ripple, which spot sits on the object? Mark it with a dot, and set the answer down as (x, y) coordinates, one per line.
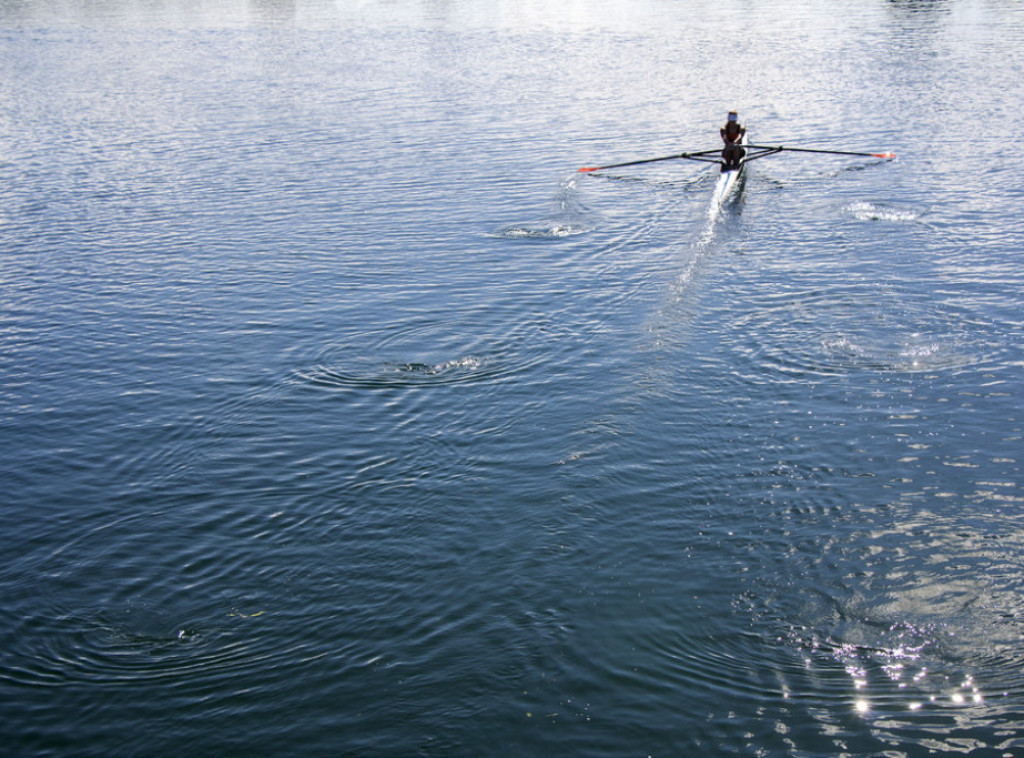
(826, 333)
(421, 355)
(402, 374)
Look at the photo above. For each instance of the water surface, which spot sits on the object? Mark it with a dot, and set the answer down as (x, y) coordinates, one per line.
(339, 411)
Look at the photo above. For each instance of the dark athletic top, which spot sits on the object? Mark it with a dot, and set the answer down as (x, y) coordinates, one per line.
(732, 131)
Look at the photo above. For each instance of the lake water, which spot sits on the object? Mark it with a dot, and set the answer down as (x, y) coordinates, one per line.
(340, 415)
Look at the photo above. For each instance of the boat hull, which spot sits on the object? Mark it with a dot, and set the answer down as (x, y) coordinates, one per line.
(729, 178)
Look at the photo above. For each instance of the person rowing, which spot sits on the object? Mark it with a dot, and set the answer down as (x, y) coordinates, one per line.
(732, 135)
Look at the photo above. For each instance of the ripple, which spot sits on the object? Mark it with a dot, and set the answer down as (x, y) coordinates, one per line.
(839, 354)
(542, 230)
(826, 333)
(865, 211)
(139, 642)
(914, 353)
(568, 216)
(426, 354)
(407, 374)
(863, 687)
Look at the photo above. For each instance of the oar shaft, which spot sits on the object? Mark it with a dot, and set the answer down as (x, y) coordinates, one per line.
(828, 152)
(628, 163)
(699, 155)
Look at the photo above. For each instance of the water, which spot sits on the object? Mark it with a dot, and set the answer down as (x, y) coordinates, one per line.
(340, 415)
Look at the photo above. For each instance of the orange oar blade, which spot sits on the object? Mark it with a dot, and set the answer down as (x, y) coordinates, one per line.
(586, 169)
(887, 156)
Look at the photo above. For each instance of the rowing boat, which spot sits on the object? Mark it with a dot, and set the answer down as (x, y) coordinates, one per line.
(729, 177)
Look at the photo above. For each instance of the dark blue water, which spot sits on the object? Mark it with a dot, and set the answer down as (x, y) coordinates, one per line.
(340, 416)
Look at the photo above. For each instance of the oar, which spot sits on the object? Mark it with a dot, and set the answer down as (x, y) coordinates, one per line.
(587, 169)
(887, 156)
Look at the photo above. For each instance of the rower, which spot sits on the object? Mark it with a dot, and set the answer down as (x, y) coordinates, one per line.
(732, 135)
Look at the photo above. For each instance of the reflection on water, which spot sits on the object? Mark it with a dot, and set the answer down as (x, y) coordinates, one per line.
(276, 11)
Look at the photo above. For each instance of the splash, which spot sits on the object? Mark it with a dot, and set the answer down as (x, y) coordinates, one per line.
(402, 373)
(542, 231)
(865, 211)
(568, 217)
